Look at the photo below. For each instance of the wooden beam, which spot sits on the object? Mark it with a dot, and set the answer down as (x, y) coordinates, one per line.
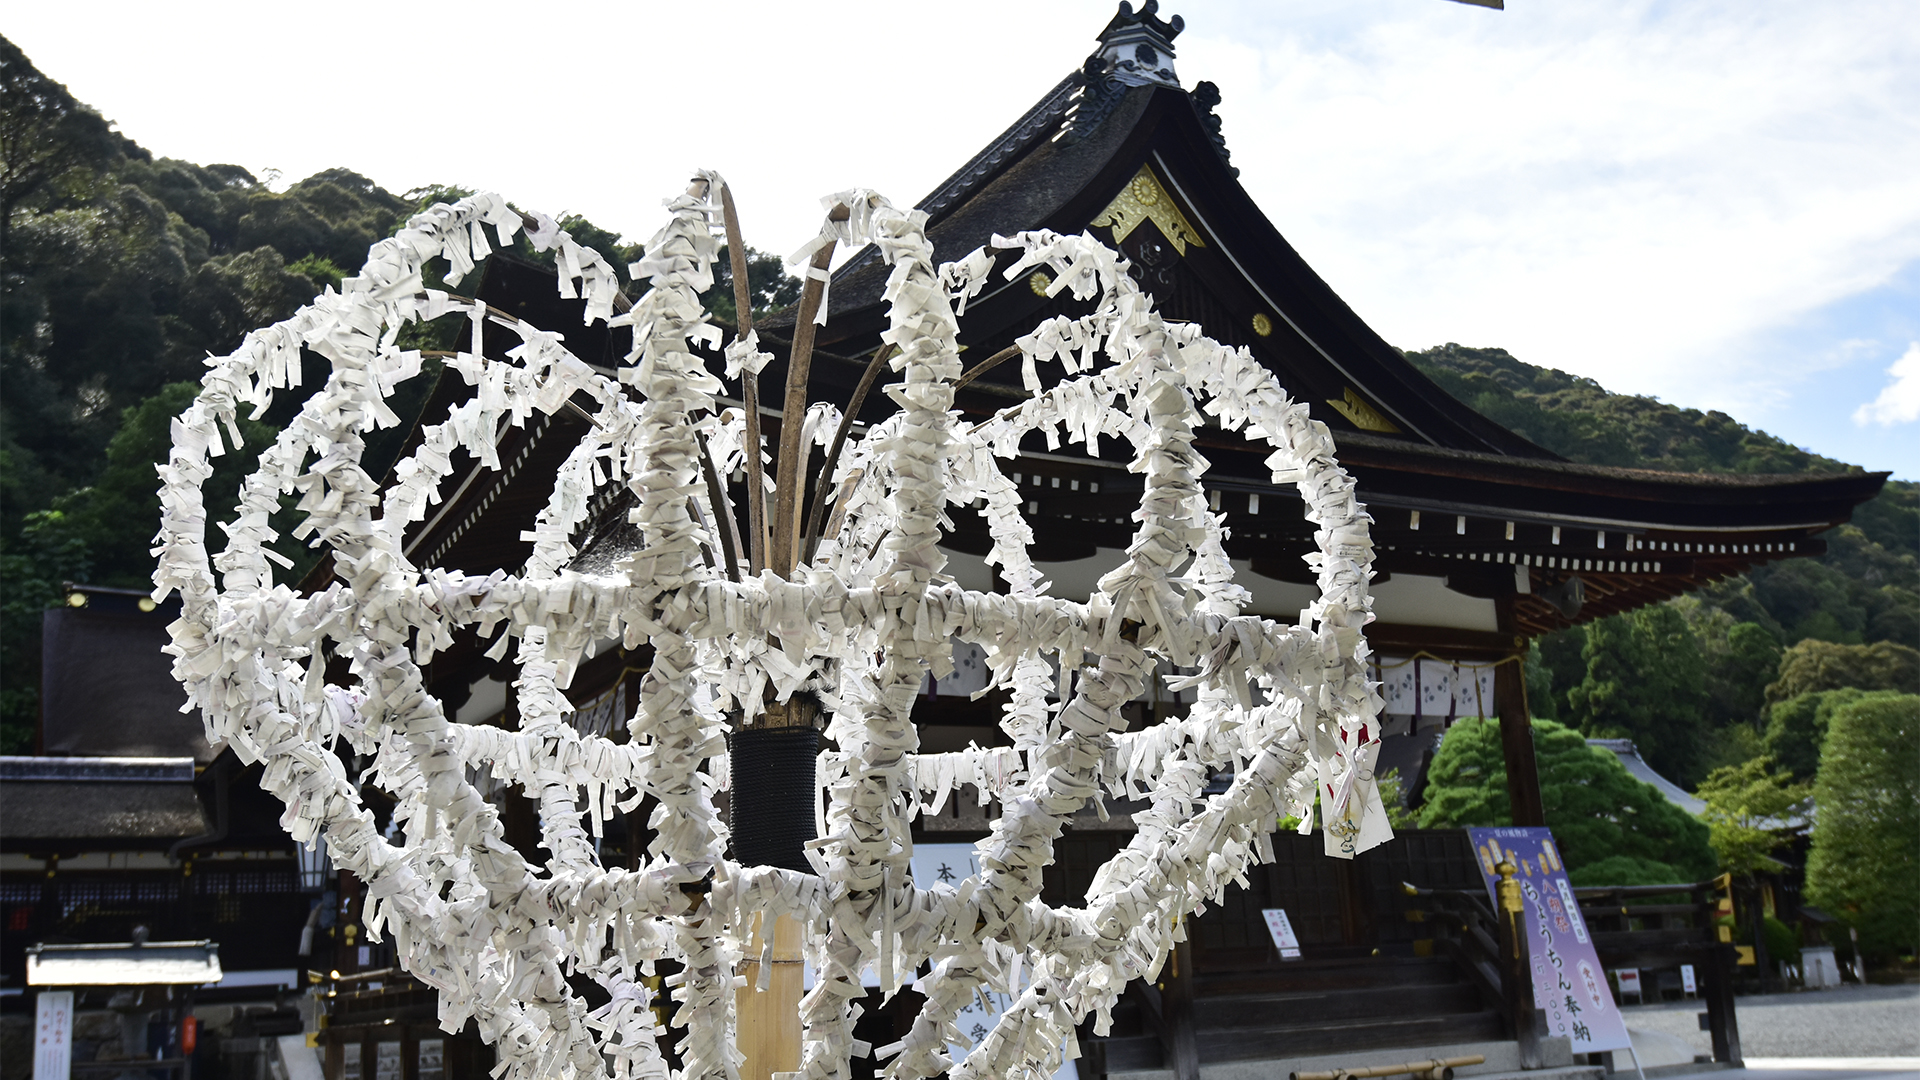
(1447, 642)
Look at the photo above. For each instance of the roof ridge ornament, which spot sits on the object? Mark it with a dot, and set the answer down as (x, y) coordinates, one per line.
(1138, 48)
(1206, 97)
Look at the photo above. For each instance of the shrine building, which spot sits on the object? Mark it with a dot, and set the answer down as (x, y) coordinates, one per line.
(1483, 540)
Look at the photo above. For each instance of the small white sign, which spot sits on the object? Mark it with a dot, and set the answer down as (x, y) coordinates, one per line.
(53, 1035)
(1281, 929)
(1629, 981)
(1686, 980)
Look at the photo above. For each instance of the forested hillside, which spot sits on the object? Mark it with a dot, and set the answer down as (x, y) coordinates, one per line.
(120, 273)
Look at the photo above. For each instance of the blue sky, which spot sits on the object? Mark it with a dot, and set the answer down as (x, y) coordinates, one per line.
(1716, 203)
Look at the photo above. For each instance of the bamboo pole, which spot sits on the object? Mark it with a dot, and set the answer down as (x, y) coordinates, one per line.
(768, 1021)
(749, 387)
(729, 529)
(987, 365)
(1432, 1069)
(787, 465)
(811, 533)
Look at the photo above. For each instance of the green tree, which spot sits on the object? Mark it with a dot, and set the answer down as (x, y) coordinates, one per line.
(33, 571)
(1645, 681)
(1865, 865)
(46, 137)
(1797, 727)
(1740, 658)
(1812, 666)
(1555, 666)
(768, 283)
(1752, 811)
(1612, 829)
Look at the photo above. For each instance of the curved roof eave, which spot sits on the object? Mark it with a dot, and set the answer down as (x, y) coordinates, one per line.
(1040, 174)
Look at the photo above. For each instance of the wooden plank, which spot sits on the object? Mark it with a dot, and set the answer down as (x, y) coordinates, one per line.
(1444, 641)
(1622, 940)
(1267, 1044)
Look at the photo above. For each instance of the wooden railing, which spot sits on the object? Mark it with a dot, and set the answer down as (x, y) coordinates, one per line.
(1657, 926)
(1491, 946)
(1641, 926)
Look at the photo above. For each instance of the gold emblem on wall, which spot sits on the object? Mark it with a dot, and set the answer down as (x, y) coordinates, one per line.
(1143, 199)
(1362, 415)
(1262, 325)
(1039, 282)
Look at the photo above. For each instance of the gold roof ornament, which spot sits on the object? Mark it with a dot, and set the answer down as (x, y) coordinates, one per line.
(1362, 415)
(1143, 199)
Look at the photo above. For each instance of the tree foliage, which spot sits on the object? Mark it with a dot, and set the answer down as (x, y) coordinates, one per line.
(34, 566)
(1612, 829)
(1812, 666)
(1865, 865)
(47, 139)
(1797, 727)
(122, 272)
(1645, 680)
(1753, 810)
(769, 285)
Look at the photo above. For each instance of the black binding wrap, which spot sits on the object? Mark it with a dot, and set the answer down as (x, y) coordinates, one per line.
(772, 795)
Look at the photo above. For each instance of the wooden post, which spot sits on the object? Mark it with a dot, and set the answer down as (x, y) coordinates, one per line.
(768, 1021)
(1178, 999)
(1721, 1022)
(1516, 976)
(1516, 745)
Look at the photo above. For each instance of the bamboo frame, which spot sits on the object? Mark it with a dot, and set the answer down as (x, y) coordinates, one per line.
(793, 410)
(811, 534)
(749, 385)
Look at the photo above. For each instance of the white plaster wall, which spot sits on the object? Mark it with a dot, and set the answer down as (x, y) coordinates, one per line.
(1415, 600)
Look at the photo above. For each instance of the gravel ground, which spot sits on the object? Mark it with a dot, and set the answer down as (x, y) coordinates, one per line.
(1846, 1021)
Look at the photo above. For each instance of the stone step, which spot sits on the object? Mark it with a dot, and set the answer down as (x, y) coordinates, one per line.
(1502, 1062)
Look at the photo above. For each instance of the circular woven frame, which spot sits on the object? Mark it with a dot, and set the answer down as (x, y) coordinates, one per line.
(1287, 709)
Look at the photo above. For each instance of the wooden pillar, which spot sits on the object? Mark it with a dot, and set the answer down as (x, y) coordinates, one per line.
(771, 821)
(1182, 1044)
(1516, 744)
(1721, 1021)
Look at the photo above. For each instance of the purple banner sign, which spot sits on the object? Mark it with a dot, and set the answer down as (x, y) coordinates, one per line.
(1568, 981)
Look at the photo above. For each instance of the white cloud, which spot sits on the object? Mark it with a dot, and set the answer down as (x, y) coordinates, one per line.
(1899, 400)
(1623, 189)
